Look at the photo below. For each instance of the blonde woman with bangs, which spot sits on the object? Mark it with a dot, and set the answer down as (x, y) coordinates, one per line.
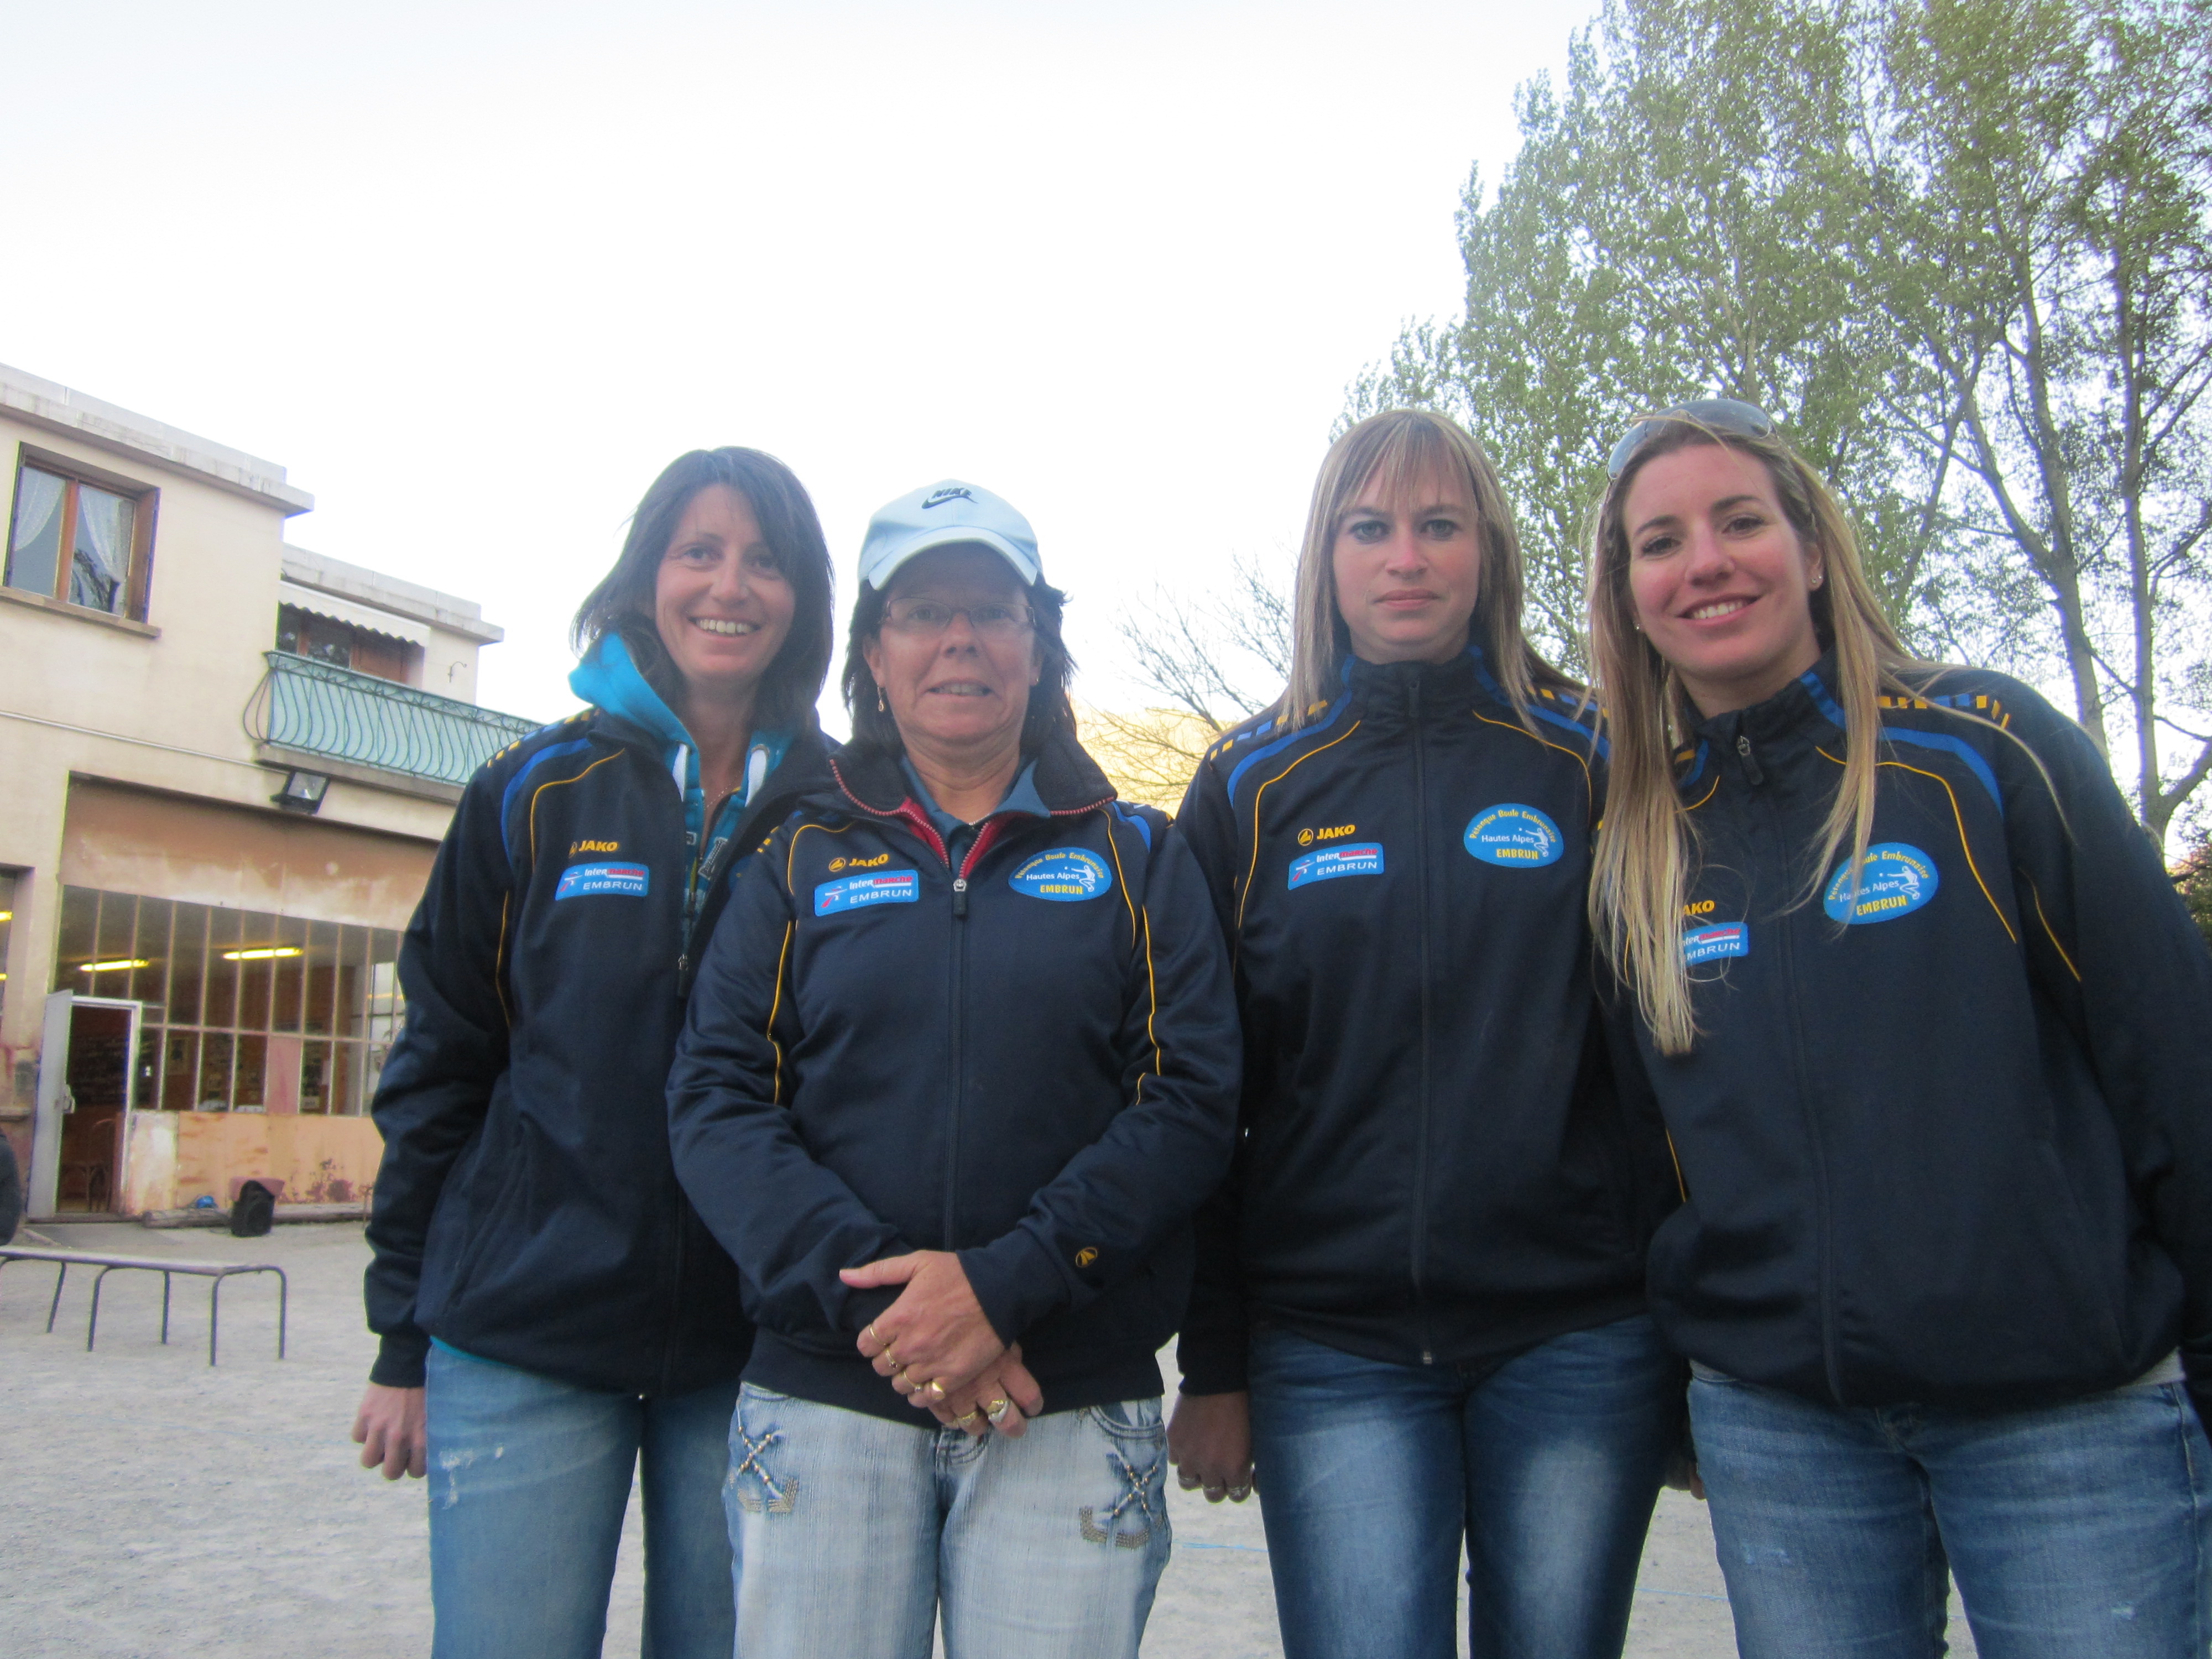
(1928, 1025)
(1419, 1321)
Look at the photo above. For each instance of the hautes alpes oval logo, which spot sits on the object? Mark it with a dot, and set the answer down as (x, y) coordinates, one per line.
(1066, 875)
(1515, 837)
(1896, 880)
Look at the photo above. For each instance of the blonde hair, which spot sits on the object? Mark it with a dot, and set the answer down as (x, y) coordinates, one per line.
(1396, 449)
(1646, 851)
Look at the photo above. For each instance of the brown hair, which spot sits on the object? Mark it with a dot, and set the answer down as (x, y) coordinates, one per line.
(1396, 449)
(623, 603)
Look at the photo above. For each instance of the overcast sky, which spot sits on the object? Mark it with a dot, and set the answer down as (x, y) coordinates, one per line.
(474, 273)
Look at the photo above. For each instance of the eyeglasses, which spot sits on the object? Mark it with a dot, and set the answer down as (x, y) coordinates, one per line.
(926, 619)
(1722, 414)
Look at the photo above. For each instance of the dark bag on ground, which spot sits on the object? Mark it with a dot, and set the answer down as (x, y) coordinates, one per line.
(253, 1212)
(11, 1192)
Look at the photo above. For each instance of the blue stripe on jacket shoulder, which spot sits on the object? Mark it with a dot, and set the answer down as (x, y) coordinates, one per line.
(1589, 734)
(514, 787)
(1130, 815)
(1951, 746)
(1335, 713)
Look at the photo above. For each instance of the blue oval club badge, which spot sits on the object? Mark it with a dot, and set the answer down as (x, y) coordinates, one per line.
(1895, 881)
(1516, 836)
(1066, 875)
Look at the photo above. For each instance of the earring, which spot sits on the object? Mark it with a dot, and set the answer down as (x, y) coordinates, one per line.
(881, 706)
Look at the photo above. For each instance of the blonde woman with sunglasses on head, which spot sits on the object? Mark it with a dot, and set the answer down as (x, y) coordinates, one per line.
(1928, 1028)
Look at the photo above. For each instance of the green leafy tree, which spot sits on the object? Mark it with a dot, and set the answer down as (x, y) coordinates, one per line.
(1961, 247)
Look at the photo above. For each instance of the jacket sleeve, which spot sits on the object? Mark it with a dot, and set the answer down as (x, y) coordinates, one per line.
(1216, 1327)
(1113, 1202)
(438, 1080)
(2111, 945)
(788, 1223)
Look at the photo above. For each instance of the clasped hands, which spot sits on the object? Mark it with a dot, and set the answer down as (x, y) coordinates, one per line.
(939, 1350)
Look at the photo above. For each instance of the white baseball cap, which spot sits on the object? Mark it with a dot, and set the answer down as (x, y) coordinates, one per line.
(949, 513)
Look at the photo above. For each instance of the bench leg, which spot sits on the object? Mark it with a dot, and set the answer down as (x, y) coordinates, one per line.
(214, 1313)
(284, 1307)
(54, 1307)
(164, 1310)
(92, 1325)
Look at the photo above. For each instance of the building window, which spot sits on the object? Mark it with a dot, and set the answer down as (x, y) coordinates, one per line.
(243, 1011)
(303, 634)
(84, 540)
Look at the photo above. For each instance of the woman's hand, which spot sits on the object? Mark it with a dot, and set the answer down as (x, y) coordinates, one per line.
(391, 1428)
(933, 1342)
(1210, 1443)
(1004, 1398)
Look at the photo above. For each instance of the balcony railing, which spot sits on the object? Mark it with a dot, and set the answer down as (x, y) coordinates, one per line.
(336, 713)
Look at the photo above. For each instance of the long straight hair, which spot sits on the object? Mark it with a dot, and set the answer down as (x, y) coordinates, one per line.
(1646, 853)
(623, 603)
(1397, 450)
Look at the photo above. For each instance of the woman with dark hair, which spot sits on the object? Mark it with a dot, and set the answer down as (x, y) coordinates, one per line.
(1927, 1024)
(1420, 1316)
(960, 1064)
(553, 1313)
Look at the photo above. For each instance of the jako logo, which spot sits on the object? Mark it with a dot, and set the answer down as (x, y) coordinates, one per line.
(576, 847)
(835, 865)
(1086, 1256)
(1308, 837)
(949, 492)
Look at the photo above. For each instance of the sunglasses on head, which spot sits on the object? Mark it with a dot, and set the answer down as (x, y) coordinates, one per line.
(1722, 414)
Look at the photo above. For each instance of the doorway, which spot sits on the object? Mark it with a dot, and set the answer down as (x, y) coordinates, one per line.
(87, 1099)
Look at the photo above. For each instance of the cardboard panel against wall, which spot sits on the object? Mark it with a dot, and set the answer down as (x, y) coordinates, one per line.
(134, 840)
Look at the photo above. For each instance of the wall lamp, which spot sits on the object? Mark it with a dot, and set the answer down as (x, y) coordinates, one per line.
(303, 792)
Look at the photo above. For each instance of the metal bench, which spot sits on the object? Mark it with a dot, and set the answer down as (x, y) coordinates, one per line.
(218, 1270)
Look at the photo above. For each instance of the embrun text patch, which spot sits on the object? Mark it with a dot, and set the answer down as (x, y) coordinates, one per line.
(859, 892)
(590, 880)
(1724, 938)
(1360, 859)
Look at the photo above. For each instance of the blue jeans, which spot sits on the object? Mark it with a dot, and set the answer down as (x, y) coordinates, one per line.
(529, 1478)
(1370, 1474)
(851, 1531)
(2078, 1531)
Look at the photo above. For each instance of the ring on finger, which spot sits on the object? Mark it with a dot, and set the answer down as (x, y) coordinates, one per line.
(996, 1410)
(967, 1417)
(936, 1387)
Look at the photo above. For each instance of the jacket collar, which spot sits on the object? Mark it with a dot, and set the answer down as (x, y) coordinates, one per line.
(868, 776)
(1802, 715)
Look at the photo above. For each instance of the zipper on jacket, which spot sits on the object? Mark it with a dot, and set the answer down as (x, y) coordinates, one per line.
(1420, 1257)
(1750, 761)
(1824, 1205)
(703, 877)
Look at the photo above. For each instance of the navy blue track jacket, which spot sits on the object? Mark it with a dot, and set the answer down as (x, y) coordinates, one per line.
(1949, 1141)
(1434, 1165)
(1030, 1059)
(526, 1211)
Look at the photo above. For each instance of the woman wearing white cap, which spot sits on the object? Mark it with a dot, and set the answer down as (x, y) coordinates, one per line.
(960, 1064)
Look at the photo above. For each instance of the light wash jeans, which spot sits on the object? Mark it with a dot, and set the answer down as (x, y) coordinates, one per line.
(529, 1478)
(1371, 1472)
(852, 1531)
(2076, 1531)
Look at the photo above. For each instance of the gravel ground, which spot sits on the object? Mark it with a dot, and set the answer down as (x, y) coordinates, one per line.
(150, 1505)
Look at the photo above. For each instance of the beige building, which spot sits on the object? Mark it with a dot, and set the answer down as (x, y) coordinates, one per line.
(226, 764)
